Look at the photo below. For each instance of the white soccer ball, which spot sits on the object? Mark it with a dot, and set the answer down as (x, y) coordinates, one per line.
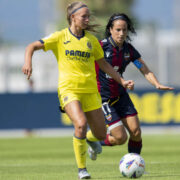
(132, 165)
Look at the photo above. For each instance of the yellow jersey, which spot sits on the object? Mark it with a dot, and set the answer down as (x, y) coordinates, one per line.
(75, 57)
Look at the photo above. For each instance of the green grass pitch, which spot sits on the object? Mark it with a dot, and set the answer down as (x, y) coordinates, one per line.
(53, 159)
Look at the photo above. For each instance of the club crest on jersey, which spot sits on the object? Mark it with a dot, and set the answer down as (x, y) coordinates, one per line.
(89, 45)
(126, 56)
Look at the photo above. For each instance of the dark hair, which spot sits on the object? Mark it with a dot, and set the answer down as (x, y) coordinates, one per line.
(72, 8)
(121, 16)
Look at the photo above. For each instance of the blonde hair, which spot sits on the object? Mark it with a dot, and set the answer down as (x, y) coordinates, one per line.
(72, 8)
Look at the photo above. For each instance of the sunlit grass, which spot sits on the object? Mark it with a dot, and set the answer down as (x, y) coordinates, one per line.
(53, 159)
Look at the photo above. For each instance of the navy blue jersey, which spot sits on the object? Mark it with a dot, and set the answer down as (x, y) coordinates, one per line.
(119, 59)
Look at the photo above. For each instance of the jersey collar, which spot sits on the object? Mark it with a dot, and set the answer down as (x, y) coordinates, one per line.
(78, 37)
(113, 43)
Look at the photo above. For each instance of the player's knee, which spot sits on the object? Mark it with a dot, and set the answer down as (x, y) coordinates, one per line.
(81, 129)
(121, 139)
(136, 133)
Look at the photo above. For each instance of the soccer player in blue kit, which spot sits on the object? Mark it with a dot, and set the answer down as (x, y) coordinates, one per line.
(118, 108)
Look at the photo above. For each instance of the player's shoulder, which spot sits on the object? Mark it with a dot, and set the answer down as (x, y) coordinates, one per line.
(55, 34)
(104, 43)
(129, 45)
(61, 32)
(90, 36)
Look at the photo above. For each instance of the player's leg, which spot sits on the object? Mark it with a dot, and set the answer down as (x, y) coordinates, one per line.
(133, 126)
(98, 132)
(79, 120)
(117, 135)
(112, 111)
(96, 123)
(131, 122)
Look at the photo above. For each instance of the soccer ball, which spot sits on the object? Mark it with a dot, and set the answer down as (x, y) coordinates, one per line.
(132, 165)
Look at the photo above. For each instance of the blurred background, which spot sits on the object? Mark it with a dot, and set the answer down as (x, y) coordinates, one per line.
(33, 104)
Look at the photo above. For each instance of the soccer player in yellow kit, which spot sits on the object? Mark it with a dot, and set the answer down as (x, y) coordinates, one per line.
(76, 51)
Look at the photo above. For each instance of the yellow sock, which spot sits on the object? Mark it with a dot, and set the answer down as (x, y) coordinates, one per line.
(90, 136)
(80, 151)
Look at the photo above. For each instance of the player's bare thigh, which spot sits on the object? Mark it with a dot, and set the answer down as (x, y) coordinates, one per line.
(118, 135)
(133, 126)
(97, 124)
(78, 118)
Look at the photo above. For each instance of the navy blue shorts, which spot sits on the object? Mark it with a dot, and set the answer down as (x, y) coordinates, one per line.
(117, 108)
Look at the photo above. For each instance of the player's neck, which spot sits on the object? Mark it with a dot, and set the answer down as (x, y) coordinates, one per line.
(120, 45)
(116, 43)
(76, 31)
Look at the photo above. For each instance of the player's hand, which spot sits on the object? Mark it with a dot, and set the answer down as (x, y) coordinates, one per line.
(162, 87)
(129, 84)
(27, 70)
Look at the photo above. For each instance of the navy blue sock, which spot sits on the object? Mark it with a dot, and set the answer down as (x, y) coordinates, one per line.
(134, 146)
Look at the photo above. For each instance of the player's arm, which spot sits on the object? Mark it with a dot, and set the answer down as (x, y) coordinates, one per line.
(149, 75)
(107, 68)
(27, 67)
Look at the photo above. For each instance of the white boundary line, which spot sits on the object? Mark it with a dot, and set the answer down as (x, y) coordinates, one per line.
(62, 132)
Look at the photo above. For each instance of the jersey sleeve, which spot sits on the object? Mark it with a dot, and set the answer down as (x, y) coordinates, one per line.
(50, 42)
(134, 53)
(98, 51)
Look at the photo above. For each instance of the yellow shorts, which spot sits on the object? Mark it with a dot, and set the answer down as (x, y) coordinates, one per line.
(89, 101)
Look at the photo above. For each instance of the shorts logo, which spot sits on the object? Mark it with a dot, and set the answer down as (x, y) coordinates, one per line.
(89, 45)
(65, 99)
(126, 56)
(109, 117)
